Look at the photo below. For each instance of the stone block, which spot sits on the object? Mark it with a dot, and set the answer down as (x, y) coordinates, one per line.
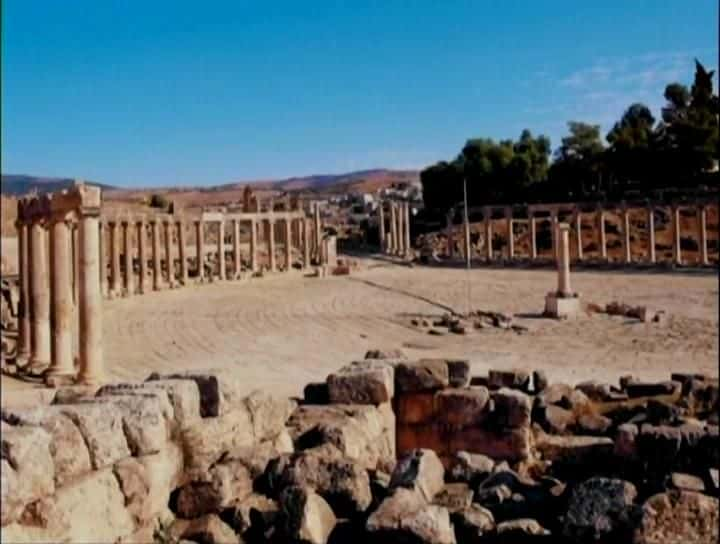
(422, 435)
(209, 529)
(420, 470)
(473, 524)
(651, 389)
(306, 517)
(501, 445)
(513, 378)
(225, 483)
(363, 382)
(415, 407)
(458, 372)
(469, 467)
(423, 375)
(462, 407)
(184, 396)
(562, 307)
(584, 451)
(456, 497)
(678, 516)
(385, 354)
(511, 409)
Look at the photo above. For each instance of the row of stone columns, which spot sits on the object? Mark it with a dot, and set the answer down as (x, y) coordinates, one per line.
(576, 215)
(395, 238)
(58, 253)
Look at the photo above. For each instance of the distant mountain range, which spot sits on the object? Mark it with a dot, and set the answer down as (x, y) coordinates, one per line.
(361, 180)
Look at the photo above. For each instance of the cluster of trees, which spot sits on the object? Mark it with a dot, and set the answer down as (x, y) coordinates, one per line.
(642, 154)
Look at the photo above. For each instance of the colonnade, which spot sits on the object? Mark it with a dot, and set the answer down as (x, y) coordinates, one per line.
(71, 256)
(394, 227)
(579, 216)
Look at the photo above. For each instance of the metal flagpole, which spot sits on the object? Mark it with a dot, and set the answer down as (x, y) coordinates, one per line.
(467, 244)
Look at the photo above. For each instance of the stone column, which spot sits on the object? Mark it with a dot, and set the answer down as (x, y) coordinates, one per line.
(115, 289)
(142, 255)
(271, 244)
(62, 368)
(182, 251)
(157, 263)
(626, 234)
(102, 257)
(253, 246)
(169, 253)
(236, 248)
(702, 234)
(578, 233)
(24, 342)
(128, 249)
(408, 240)
(90, 310)
(39, 296)
(602, 239)
(306, 242)
(288, 244)
(318, 230)
(200, 248)
(511, 237)
(533, 234)
(381, 226)
(677, 250)
(221, 250)
(487, 216)
(401, 229)
(75, 245)
(563, 262)
(393, 229)
(651, 234)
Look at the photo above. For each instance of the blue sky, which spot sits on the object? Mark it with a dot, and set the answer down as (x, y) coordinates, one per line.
(185, 92)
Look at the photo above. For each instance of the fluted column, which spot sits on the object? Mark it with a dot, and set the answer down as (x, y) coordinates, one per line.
(221, 250)
(602, 238)
(24, 342)
(626, 234)
(61, 318)
(200, 248)
(510, 236)
(487, 216)
(578, 233)
(115, 288)
(702, 234)
(39, 296)
(288, 244)
(157, 263)
(254, 246)
(651, 234)
(90, 310)
(142, 255)
(677, 249)
(236, 248)
(533, 235)
(381, 226)
(169, 253)
(271, 245)
(128, 253)
(182, 251)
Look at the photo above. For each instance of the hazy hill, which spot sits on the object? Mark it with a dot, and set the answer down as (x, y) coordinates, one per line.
(20, 184)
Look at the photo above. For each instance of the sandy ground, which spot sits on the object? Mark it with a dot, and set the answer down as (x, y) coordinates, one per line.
(282, 332)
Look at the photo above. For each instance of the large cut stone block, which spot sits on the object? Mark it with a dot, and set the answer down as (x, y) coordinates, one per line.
(422, 435)
(462, 406)
(511, 409)
(226, 483)
(515, 378)
(420, 470)
(415, 407)
(363, 382)
(423, 375)
(501, 445)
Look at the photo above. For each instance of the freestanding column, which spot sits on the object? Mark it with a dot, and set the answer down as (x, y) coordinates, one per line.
(651, 234)
(61, 319)
(563, 262)
(626, 234)
(114, 259)
(393, 229)
(487, 213)
(578, 231)
(90, 310)
(677, 250)
(511, 237)
(533, 234)
(128, 252)
(200, 249)
(221, 250)
(142, 255)
(24, 342)
(169, 254)
(39, 297)
(702, 234)
(157, 265)
(271, 244)
(408, 242)
(75, 245)
(236, 247)
(381, 226)
(253, 246)
(182, 251)
(602, 239)
(288, 244)
(102, 256)
(306, 242)
(318, 230)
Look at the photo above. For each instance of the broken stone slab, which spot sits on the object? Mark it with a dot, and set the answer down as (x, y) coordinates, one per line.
(67, 447)
(593, 424)
(678, 516)
(462, 406)
(420, 470)
(651, 389)
(362, 382)
(599, 391)
(554, 419)
(686, 482)
(513, 378)
(455, 497)
(511, 408)
(601, 508)
(505, 444)
(469, 467)
(574, 450)
(405, 516)
(306, 516)
(268, 413)
(423, 375)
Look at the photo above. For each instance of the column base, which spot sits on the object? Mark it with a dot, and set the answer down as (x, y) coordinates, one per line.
(56, 380)
(91, 380)
(562, 307)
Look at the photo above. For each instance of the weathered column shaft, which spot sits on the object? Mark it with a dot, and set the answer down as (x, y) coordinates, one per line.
(128, 252)
(578, 234)
(602, 238)
(626, 235)
(510, 235)
(142, 256)
(288, 243)
(24, 342)
(114, 259)
(487, 213)
(563, 262)
(169, 253)
(408, 240)
(236, 248)
(651, 234)
(157, 264)
(393, 229)
(90, 310)
(200, 249)
(221, 250)
(271, 245)
(75, 251)
(102, 257)
(253, 246)
(702, 235)
(306, 228)
(677, 249)
(533, 236)
(381, 226)
(182, 251)
(318, 230)
(39, 296)
(61, 318)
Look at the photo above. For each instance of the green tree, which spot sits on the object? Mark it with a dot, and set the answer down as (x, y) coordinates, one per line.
(577, 166)
(630, 157)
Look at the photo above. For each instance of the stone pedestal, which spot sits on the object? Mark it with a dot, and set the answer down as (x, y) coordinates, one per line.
(562, 307)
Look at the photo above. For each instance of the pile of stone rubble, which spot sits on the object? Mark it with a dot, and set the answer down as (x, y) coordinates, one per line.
(385, 450)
